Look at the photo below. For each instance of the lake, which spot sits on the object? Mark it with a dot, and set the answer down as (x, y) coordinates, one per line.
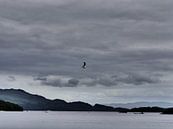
(84, 120)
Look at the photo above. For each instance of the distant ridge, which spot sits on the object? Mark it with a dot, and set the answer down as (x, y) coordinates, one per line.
(35, 102)
(141, 104)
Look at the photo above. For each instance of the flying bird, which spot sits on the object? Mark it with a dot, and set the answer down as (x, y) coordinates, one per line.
(84, 65)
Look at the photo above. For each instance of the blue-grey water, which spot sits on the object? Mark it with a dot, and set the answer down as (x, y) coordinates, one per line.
(84, 120)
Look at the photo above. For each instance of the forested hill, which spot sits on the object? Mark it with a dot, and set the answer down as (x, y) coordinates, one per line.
(27, 101)
(7, 106)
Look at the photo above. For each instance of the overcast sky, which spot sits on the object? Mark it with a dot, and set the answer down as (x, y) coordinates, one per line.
(127, 45)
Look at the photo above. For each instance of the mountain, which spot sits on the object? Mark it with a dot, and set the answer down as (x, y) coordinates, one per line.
(141, 104)
(147, 109)
(168, 111)
(35, 102)
(99, 107)
(28, 101)
(7, 106)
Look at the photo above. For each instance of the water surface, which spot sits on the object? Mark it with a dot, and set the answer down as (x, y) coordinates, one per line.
(84, 120)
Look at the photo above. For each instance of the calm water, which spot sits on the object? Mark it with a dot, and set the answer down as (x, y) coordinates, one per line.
(83, 120)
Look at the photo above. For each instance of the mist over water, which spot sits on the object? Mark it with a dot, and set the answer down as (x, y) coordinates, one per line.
(84, 120)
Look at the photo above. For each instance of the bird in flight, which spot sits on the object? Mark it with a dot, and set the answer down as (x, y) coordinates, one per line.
(84, 65)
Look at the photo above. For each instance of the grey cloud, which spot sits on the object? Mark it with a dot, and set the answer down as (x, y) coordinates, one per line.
(72, 82)
(137, 79)
(118, 80)
(57, 81)
(39, 78)
(11, 78)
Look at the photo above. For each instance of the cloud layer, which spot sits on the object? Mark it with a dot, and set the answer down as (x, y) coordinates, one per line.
(106, 80)
(124, 42)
